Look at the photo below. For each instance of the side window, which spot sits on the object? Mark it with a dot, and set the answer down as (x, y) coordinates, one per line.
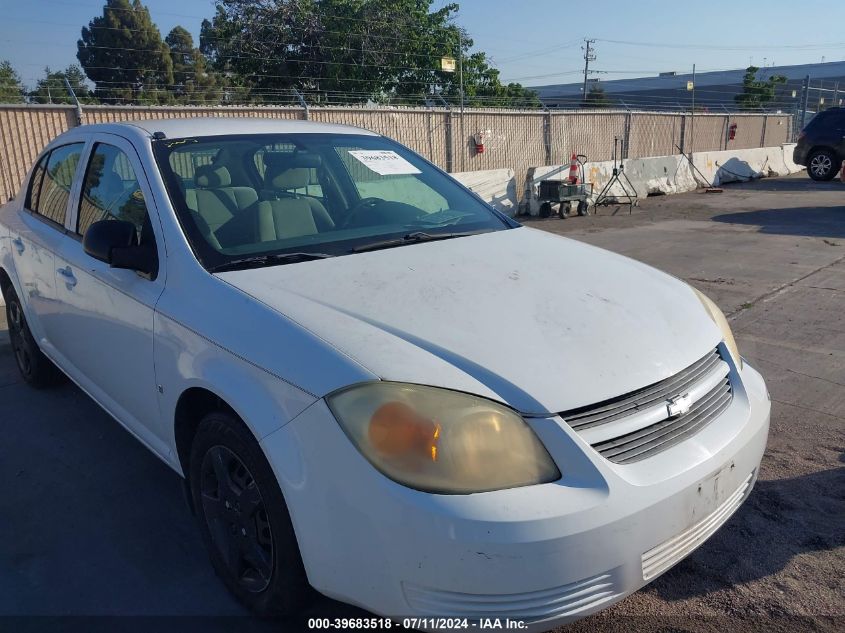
(51, 182)
(111, 191)
(34, 193)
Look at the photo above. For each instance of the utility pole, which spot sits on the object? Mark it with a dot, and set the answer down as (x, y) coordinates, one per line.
(461, 82)
(589, 56)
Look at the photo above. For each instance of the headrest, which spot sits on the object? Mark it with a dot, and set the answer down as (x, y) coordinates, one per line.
(296, 178)
(211, 176)
(289, 170)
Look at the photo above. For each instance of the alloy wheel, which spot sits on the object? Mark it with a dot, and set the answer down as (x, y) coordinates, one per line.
(237, 518)
(821, 165)
(18, 335)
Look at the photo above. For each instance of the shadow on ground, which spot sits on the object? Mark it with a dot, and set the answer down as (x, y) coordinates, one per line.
(780, 520)
(804, 183)
(806, 221)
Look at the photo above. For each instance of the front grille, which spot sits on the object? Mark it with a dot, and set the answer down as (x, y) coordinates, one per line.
(637, 425)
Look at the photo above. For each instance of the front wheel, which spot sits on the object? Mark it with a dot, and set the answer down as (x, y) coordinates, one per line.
(822, 165)
(36, 369)
(244, 520)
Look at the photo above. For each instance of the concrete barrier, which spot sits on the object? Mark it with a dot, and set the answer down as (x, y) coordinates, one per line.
(655, 175)
(742, 165)
(495, 186)
(671, 174)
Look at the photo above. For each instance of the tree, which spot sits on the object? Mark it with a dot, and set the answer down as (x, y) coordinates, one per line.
(11, 88)
(123, 53)
(347, 51)
(193, 82)
(597, 97)
(755, 93)
(52, 89)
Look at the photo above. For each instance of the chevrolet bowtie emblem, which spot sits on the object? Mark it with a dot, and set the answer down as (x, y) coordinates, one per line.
(678, 405)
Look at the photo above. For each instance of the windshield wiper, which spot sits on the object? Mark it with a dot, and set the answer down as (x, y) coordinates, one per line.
(260, 261)
(411, 238)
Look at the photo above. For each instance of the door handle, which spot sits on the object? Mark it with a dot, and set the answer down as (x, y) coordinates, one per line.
(67, 273)
(18, 244)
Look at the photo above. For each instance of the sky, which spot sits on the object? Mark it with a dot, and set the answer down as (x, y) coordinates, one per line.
(534, 42)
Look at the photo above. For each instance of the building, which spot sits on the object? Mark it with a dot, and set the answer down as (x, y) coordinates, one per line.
(714, 91)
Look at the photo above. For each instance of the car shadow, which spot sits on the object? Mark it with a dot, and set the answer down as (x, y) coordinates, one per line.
(781, 519)
(797, 183)
(805, 221)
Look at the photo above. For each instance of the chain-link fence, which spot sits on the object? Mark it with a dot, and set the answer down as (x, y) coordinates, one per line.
(515, 139)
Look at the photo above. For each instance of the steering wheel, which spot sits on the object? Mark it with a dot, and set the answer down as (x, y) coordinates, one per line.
(364, 204)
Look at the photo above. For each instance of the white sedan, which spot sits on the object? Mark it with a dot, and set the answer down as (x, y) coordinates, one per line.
(374, 384)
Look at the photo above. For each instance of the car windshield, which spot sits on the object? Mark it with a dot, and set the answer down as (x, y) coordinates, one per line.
(260, 200)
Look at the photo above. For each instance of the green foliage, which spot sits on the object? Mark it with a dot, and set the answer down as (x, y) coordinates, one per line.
(123, 54)
(597, 98)
(193, 81)
(51, 88)
(11, 88)
(348, 51)
(755, 93)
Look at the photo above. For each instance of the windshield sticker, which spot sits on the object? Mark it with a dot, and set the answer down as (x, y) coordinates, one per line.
(384, 162)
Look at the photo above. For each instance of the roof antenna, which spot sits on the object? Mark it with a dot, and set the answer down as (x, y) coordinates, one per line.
(80, 118)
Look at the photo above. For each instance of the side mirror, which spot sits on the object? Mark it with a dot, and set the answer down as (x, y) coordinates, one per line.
(115, 242)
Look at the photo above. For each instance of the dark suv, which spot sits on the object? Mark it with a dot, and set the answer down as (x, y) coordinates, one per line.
(821, 144)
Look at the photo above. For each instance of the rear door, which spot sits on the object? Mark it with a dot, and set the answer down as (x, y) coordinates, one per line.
(839, 134)
(106, 330)
(36, 233)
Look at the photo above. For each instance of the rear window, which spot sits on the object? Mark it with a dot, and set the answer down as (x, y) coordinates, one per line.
(52, 179)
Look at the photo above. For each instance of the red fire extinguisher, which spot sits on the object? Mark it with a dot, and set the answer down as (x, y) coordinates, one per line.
(732, 132)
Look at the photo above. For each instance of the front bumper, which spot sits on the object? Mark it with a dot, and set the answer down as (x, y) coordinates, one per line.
(545, 554)
(799, 154)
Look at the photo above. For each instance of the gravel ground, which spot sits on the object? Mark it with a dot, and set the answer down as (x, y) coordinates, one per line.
(772, 254)
(93, 525)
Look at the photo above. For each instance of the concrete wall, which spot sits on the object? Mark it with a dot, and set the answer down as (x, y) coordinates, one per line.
(671, 174)
(496, 186)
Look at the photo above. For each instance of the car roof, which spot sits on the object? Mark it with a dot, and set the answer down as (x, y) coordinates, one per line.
(219, 126)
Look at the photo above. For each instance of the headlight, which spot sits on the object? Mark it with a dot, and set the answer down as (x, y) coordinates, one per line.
(720, 320)
(441, 441)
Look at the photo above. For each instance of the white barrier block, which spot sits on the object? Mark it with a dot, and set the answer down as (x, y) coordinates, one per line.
(496, 186)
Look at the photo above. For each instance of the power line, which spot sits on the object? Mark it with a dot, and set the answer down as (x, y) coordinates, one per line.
(727, 48)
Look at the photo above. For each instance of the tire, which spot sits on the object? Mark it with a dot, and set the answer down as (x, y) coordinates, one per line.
(35, 368)
(583, 208)
(545, 210)
(243, 518)
(563, 210)
(822, 165)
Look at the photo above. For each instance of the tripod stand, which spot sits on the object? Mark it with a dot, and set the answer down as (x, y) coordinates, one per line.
(619, 176)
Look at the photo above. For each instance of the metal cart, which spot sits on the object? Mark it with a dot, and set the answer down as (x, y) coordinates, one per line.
(564, 193)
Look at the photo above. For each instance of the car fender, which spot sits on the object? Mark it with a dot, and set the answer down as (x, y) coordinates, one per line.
(184, 359)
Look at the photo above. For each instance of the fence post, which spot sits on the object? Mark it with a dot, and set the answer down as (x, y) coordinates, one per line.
(301, 99)
(450, 150)
(547, 134)
(80, 117)
(765, 125)
(628, 117)
(683, 134)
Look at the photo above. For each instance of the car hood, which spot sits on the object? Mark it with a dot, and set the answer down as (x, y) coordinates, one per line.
(541, 322)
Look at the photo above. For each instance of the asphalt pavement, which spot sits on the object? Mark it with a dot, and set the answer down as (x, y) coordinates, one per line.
(93, 528)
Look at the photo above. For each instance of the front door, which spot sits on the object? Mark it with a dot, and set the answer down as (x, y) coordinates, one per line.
(107, 313)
